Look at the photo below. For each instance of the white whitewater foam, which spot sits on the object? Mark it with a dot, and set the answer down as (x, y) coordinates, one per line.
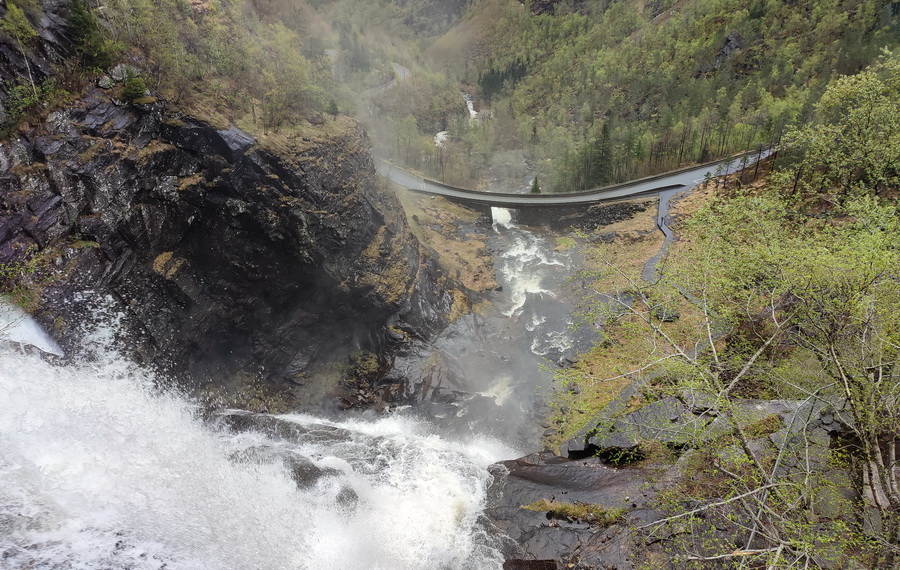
(99, 469)
(524, 262)
(501, 217)
(17, 326)
(470, 105)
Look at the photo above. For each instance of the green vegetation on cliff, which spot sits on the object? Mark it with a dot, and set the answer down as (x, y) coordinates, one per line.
(245, 62)
(786, 291)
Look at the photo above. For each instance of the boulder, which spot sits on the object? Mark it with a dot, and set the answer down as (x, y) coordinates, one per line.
(545, 476)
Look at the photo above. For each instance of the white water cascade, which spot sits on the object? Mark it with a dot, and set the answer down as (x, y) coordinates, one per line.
(441, 136)
(526, 265)
(16, 325)
(99, 468)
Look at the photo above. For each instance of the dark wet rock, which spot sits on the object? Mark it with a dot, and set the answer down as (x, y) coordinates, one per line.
(220, 255)
(263, 423)
(281, 429)
(689, 420)
(546, 476)
(600, 215)
(237, 142)
(732, 43)
(665, 314)
(302, 470)
(666, 421)
(347, 498)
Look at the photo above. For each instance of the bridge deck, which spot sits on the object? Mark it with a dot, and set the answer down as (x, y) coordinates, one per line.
(685, 177)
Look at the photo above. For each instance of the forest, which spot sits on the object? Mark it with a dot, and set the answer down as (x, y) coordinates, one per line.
(601, 92)
(781, 290)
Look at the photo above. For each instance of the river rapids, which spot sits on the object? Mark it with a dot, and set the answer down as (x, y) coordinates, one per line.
(100, 468)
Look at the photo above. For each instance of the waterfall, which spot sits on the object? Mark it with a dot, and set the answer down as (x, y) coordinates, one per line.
(101, 468)
(16, 325)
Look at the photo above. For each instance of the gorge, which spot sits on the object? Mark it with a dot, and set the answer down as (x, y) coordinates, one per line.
(231, 337)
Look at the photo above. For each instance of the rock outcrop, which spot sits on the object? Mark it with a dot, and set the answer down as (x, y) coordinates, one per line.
(561, 542)
(218, 253)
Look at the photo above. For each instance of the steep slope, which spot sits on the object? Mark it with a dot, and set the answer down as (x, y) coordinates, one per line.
(219, 253)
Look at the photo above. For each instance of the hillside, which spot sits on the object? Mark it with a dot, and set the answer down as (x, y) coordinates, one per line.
(595, 92)
(185, 168)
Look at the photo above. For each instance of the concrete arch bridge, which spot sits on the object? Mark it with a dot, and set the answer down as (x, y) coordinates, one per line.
(536, 209)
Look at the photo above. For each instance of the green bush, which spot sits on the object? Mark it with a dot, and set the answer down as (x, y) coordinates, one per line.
(135, 88)
(23, 98)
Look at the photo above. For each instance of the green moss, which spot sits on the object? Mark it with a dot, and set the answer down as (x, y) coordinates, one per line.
(565, 243)
(363, 364)
(21, 281)
(766, 426)
(591, 513)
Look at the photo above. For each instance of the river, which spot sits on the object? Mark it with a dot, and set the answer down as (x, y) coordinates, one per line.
(102, 467)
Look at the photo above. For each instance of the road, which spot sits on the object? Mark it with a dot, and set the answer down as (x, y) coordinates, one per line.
(667, 181)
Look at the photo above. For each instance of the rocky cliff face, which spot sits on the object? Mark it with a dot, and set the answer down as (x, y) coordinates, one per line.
(219, 255)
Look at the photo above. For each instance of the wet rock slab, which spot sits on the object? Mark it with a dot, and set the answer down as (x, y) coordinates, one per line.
(545, 476)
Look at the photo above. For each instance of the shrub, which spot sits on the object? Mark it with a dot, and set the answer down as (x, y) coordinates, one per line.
(135, 88)
(94, 49)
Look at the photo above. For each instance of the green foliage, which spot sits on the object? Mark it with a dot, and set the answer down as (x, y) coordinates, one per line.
(92, 46)
(682, 84)
(772, 280)
(492, 81)
(16, 26)
(592, 165)
(805, 303)
(535, 186)
(134, 87)
(356, 55)
(19, 280)
(333, 108)
(856, 144)
(252, 65)
(22, 98)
